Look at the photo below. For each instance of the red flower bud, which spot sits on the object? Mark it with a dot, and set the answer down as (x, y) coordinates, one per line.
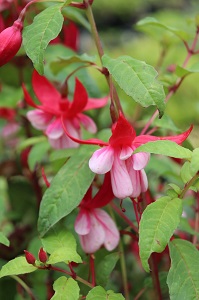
(43, 257)
(29, 257)
(10, 42)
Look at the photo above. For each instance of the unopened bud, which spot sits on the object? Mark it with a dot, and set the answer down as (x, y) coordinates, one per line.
(43, 257)
(29, 257)
(10, 42)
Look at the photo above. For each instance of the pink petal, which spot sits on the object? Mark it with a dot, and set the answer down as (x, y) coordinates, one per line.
(120, 179)
(88, 123)
(83, 222)
(55, 130)
(63, 142)
(80, 99)
(102, 160)
(140, 160)
(123, 133)
(92, 241)
(45, 91)
(135, 179)
(111, 232)
(143, 181)
(126, 152)
(10, 129)
(96, 103)
(39, 119)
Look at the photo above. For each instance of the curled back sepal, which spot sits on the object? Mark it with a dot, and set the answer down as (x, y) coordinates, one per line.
(10, 41)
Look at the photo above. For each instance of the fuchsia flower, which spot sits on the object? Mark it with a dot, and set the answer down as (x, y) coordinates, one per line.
(47, 116)
(93, 225)
(128, 178)
(12, 126)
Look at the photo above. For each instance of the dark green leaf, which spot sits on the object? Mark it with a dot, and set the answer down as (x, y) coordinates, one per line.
(65, 289)
(158, 222)
(36, 37)
(137, 79)
(167, 148)
(183, 277)
(105, 267)
(66, 190)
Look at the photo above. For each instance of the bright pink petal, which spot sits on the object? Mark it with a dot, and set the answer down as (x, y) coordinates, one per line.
(179, 139)
(126, 152)
(96, 103)
(88, 123)
(140, 160)
(39, 119)
(123, 133)
(28, 98)
(80, 99)
(95, 238)
(55, 130)
(102, 160)
(83, 222)
(120, 179)
(84, 142)
(112, 236)
(63, 142)
(45, 91)
(71, 36)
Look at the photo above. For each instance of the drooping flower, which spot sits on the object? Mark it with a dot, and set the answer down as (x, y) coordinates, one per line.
(47, 116)
(10, 41)
(128, 178)
(93, 225)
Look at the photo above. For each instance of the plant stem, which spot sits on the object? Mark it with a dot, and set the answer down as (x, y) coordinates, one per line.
(155, 277)
(124, 271)
(196, 226)
(24, 285)
(188, 185)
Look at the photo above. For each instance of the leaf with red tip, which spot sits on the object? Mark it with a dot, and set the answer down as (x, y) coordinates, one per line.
(83, 142)
(80, 99)
(123, 133)
(96, 103)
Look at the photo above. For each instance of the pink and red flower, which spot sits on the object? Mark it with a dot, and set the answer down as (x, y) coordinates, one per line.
(93, 225)
(53, 108)
(128, 178)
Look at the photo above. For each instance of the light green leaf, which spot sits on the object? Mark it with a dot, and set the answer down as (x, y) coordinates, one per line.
(31, 141)
(180, 71)
(65, 289)
(152, 21)
(167, 148)
(185, 226)
(105, 267)
(137, 79)
(62, 153)
(158, 222)
(61, 245)
(183, 277)
(37, 153)
(4, 240)
(98, 293)
(66, 191)
(194, 165)
(36, 37)
(64, 62)
(185, 172)
(17, 266)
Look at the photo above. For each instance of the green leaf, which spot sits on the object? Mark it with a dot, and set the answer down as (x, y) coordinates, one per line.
(183, 277)
(65, 289)
(167, 148)
(73, 14)
(194, 165)
(105, 267)
(137, 79)
(180, 71)
(64, 62)
(10, 96)
(185, 226)
(31, 141)
(98, 293)
(4, 240)
(61, 245)
(152, 21)
(37, 154)
(36, 37)
(62, 153)
(185, 172)
(17, 266)
(158, 222)
(66, 190)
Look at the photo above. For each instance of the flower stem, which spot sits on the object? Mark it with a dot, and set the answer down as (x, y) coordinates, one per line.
(124, 271)
(155, 277)
(188, 185)
(24, 285)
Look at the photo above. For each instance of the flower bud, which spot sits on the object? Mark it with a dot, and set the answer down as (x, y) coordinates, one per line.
(10, 42)
(29, 257)
(43, 257)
